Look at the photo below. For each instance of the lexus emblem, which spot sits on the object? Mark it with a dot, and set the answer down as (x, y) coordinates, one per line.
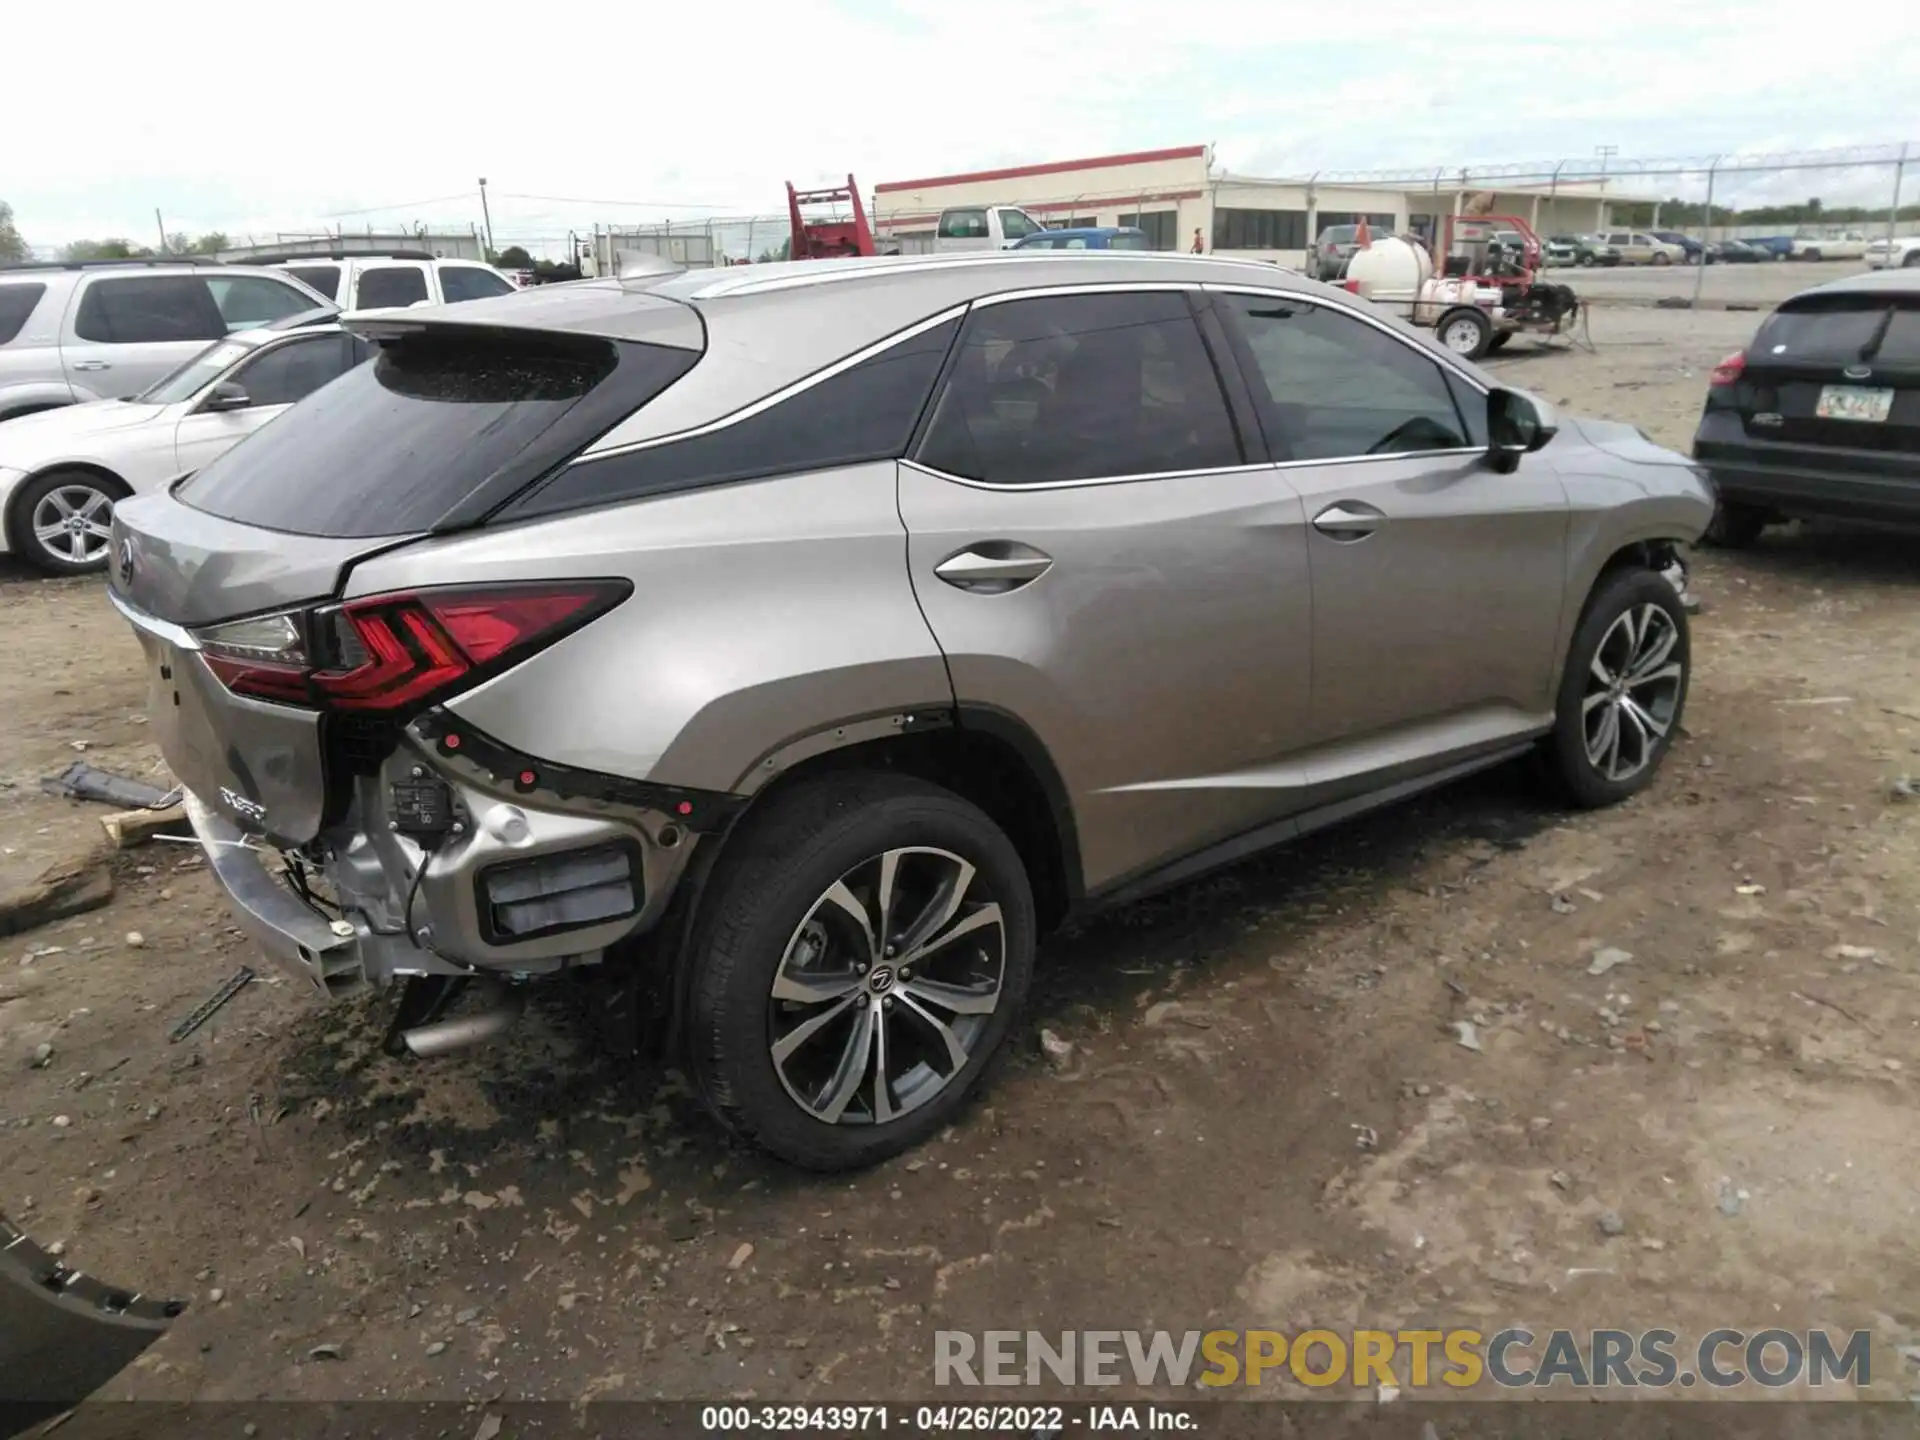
(1857, 372)
(124, 561)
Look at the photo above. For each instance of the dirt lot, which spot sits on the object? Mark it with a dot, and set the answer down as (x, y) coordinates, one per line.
(540, 1220)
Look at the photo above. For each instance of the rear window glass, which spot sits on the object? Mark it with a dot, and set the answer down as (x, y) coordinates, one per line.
(1841, 329)
(390, 285)
(391, 447)
(16, 304)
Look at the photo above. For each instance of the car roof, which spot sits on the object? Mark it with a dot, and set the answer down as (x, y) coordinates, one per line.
(1088, 230)
(1873, 282)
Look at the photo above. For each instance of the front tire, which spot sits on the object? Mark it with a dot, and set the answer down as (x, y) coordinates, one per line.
(64, 521)
(1661, 257)
(865, 948)
(1466, 332)
(1624, 690)
(1735, 526)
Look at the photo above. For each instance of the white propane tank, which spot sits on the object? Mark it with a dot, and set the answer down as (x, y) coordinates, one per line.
(1390, 269)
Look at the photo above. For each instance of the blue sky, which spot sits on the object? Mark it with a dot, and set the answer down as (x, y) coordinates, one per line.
(685, 117)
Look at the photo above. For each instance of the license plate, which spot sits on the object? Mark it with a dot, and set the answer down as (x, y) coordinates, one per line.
(1854, 402)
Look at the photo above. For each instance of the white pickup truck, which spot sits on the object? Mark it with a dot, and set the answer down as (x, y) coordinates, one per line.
(1809, 245)
(971, 227)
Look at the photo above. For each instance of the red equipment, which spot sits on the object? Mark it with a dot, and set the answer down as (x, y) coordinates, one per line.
(1473, 234)
(828, 239)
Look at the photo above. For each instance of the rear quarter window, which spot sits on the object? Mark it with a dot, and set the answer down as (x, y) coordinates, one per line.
(17, 302)
(324, 278)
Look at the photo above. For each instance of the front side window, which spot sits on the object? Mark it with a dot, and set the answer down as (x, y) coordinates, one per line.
(147, 310)
(1015, 225)
(1329, 386)
(963, 225)
(248, 301)
(470, 282)
(384, 285)
(291, 371)
(1079, 387)
(198, 373)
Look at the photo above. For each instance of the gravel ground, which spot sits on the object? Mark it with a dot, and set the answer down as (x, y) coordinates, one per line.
(1267, 1120)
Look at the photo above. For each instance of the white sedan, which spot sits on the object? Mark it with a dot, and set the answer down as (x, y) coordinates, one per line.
(62, 470)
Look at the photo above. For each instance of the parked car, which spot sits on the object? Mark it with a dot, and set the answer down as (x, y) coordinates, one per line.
(1335, 247)
(1820, 414)
(1902, 250)
(62, 471)
(1580, 250)
(1693, 252)
(398, 278)
(971, 227)
(1772, 247)
(805, 600)
(75, 332)
(1812, 245)
(1088, 237)
(1640, 247)
(1732, 252)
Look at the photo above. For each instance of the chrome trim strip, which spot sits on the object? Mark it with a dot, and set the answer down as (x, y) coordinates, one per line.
(1215, 287)
(1187, 474)
(1089, 287)
(915, 264)
(766, 402)
(166, 630)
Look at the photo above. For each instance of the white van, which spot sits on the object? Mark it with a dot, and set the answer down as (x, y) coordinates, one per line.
(396, 279)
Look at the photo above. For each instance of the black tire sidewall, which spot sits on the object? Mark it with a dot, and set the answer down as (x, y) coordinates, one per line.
(809, 839)
(1485, 328)
(1625, 589)
(29, 498)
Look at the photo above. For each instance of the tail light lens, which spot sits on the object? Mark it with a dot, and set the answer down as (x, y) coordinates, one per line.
(396, 652)
(1728, 370)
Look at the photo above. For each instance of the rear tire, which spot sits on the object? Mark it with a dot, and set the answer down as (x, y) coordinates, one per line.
(1810, 255)
(1735, 526)
(63, 520)
(1660, 257)
(813, 1031)
(1466, 332)
(1624, 690)
(1584, 261)
(1912, 261)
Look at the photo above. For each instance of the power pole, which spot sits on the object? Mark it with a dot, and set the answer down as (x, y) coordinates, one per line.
(1605, 152)
(487, 216)
(160, 225)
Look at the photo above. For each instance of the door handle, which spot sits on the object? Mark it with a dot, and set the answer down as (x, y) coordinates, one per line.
(91, 365)
(1348, 520)
(994, 567)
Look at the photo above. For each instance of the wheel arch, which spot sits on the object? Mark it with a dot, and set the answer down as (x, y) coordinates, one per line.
(1653, 551)
(16, 514)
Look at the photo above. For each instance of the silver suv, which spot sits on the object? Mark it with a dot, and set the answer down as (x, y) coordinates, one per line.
(810, 639)
(102, 329)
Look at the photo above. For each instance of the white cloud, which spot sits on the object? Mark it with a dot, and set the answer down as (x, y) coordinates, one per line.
(252, 122)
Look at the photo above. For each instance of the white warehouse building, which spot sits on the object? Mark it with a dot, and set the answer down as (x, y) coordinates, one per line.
(1172, 194)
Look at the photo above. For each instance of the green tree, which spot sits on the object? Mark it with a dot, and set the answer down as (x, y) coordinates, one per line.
(12, 247)
(110, 249)
(211, 243)
(514, 257)
(179, 243)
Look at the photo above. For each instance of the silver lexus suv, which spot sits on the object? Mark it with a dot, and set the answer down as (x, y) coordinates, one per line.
(809, 639)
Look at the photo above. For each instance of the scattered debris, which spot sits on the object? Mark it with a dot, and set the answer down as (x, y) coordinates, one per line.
(67, 887)
(1466, 1036)
(42, 1056)
(135, 940)
(1852, 952)
(81, 781)
(1059, 1052)
(741, 1255)
(489, 1428)
(298, 1246)
(1365, 1137)
(1731, 1198)
(130, 828)
(1750, 889)
(1836, 1007)
(1905, 788)
(1611, 1224)
(438, 1347)
(205, 1010)
(61, 1122)
(1605, 960)
(1560, 1180)
(216, 1295)
(328, 1351)
(1563, 906)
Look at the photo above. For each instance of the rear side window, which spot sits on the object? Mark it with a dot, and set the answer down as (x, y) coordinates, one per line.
(16, 304)
(395, 445)
(246, 301)
(324, 278)
(866, 412)
(391, 285)
(147, 310)
(470, 282)
(1077, 387)
(289, 372)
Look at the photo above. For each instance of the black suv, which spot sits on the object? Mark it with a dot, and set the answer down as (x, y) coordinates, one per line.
(1820, 414)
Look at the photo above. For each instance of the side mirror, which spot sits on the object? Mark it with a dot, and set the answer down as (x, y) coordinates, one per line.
(1517, 424)
(226, 396)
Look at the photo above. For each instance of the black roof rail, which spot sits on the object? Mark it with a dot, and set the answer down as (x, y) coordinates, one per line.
(282, 257)
(98, 264)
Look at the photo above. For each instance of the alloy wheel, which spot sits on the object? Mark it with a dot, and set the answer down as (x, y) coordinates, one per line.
(887, 986)
(1633, 692)
(74, 523)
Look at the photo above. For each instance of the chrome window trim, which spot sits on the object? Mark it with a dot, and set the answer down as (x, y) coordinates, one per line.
(1215, 287)
(785, 393)
(1470, 450)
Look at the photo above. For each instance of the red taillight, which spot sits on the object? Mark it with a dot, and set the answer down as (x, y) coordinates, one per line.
(394, 652)
(1728, 370)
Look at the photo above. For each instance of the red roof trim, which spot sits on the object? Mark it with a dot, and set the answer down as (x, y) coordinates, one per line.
(1119, 203)
(1052, 167)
